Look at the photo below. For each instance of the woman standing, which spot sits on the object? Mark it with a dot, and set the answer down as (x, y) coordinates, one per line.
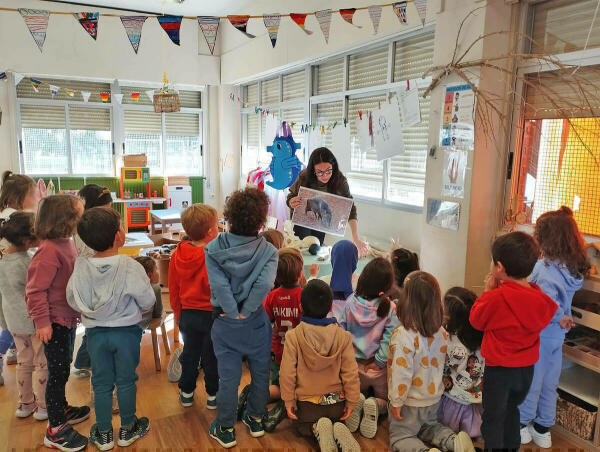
(323, 174)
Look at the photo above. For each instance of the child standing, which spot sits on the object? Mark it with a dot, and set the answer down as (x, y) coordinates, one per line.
(415, 370)
(190, 300)
(559, 273)
(111, 292)
(32, 372)
(370, 317)
(511, 312)
(151, 270)
(319, 376)
(54, 320)
(460, 407)
(344, 259)
(241, 270)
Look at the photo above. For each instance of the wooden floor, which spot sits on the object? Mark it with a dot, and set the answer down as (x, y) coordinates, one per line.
(172, 427)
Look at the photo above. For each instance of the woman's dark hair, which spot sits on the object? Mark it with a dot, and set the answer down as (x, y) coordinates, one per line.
(375, 280)
(324, 155)
(421, 310)
(57, 217)
(18, 228)
(458, 302)
(559, 239)
(15, 188)
(246, 211)
(95, 196)
(403, 262)
(316, 299)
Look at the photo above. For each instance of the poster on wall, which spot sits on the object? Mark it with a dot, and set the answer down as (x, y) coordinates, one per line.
(322, 211)
(453, 178)
(443, 214)
(387, 131)
(458, 117)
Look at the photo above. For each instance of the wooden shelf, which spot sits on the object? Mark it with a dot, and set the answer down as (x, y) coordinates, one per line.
(592, 283)
(586, 445)
(583, 359)
(153, 200)
(582, 383)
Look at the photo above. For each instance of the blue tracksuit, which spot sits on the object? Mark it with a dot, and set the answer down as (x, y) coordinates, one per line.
(556, 281)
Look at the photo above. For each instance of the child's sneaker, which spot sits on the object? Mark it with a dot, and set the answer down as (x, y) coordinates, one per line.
(463, 443)
(40, 414)
(77, 414)
(65, 438)
(254, 425)
(543, 440)
(242, 399)
(80, 373)
(368, 425)
(344, 438)
(323, 431)
(525, 435)
(174, 366)
(186, 399)
(224, 436)
(25, 409)
(102, 440)
(274, 416)
(354, 420)
(11, 356)
(128, 436)
(211, 402)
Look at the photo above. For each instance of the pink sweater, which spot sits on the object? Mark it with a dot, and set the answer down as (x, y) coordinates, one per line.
(47, 278)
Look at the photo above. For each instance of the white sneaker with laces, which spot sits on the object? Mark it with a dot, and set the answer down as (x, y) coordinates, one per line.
(11, 356)
(543, 440)
(40, 414)
(525, 435)
(25, 409)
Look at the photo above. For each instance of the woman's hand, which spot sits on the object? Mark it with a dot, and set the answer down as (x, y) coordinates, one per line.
(397, 412)
(295, 202)
(44, 334)
(363, 248)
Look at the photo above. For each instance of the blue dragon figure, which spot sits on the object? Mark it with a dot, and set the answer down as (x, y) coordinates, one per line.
(285, 166)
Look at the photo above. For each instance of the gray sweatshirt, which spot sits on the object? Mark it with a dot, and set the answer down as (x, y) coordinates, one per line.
(13, 276)
(156, 312)
(110, 291)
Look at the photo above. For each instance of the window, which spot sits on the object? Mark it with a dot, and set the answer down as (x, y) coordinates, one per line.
(329, 77)
(143, 132)
(368, 68)
(294, 86)
(91, 140)
(325, 114)
(184, 150)
(270, 92)
(44, 140)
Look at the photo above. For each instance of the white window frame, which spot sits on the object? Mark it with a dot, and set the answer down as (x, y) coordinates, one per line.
(310, 101)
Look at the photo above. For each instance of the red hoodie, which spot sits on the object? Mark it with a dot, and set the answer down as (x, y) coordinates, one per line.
(511, 318)
(188, 281)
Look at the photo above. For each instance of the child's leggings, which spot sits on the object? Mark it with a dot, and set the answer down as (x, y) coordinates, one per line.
(32, 371)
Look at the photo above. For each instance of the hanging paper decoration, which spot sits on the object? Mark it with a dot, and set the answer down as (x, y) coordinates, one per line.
(86, 95)
(150, 94)
(89, 22)
(136, 97)
(35, 84)
(119, 98)
(324, 19)
(347, 14)
(54, 90)
(133, 27)
(285, 166)
(69, 92)
(375, 15)
(171, 25)
(421, 6)
(299, 19)
(209, 26)
(104, 97)
(272, 23)
(400, 10)
(37, 23)
(3, 76)
(18, 77)
(240, 22)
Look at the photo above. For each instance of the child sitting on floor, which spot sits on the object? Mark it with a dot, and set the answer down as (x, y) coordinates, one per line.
(151, 270)
(344, 259)
(319, 376)
(403, 261)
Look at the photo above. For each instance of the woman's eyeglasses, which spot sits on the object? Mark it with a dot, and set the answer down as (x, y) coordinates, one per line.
(327, 172)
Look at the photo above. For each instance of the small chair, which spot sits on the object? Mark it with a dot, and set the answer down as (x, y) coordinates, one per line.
(154, 325)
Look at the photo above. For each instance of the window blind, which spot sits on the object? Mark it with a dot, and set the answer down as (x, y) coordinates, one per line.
(368, 68)
(143, 135)
(326, 114)
(91, 140)
(44, 139)
(250, 154)
(190, 99)
(413, 57)
(182, 153)
(252, 94)
(43, 117)
(25, 89)
(329, 77)
(270, 91)
(81, 118)
(294, 85)
(146, 122)
(296, 116)
(182, 124)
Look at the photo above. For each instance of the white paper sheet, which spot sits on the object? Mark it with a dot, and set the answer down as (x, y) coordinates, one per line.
(316, 139)
(387, 130)
(341, 146)
(409, 106)
(272, 123)
(362, 128)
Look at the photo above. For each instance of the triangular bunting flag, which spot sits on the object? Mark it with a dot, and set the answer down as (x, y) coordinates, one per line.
(136, 97)
(171, 25)
(209, 26)
(104, 97)
(18, 77)
(150, 94)
(375, 14)
(86, 95)
(54, 90)
(89, 21)
(240, 22)
(37, 22)
(3, 76)
(35, 84)
(400, 10)
(133, 27)
(272, 23)
(299, 19)
(119, 98)
(347, 14)
(421, 6)
(69, 92)
(324, 19)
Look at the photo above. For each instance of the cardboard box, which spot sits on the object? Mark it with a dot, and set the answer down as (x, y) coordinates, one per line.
(135, 160)
(178, 180)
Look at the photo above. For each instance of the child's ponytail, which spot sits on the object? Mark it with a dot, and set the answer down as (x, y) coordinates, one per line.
(375, 281)
(403, 262)
(383, 310)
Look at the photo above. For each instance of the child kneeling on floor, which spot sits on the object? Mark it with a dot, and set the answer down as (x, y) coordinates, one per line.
(319, 375)
(112, 292)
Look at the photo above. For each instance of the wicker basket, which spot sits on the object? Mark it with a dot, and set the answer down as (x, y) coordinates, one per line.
(135, 160)
(575, 419)
(166, 103)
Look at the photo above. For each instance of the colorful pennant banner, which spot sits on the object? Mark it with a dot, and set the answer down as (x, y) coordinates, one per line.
(35, 84)
(347, 14)
(209, 26)
(171, 25)
(299, 19)
(375, 15)
(89, 22)
(241, 22)
(3, 76)
(421, 6)
(69, 92)
(104, 97)
(272, 24)
(133, 27)
(86, 95)
(400, 10)
(324, 19)
(136, 97)
(54, 90)
(37, 23)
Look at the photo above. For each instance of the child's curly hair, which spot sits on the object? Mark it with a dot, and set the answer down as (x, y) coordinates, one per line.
(246, 211)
